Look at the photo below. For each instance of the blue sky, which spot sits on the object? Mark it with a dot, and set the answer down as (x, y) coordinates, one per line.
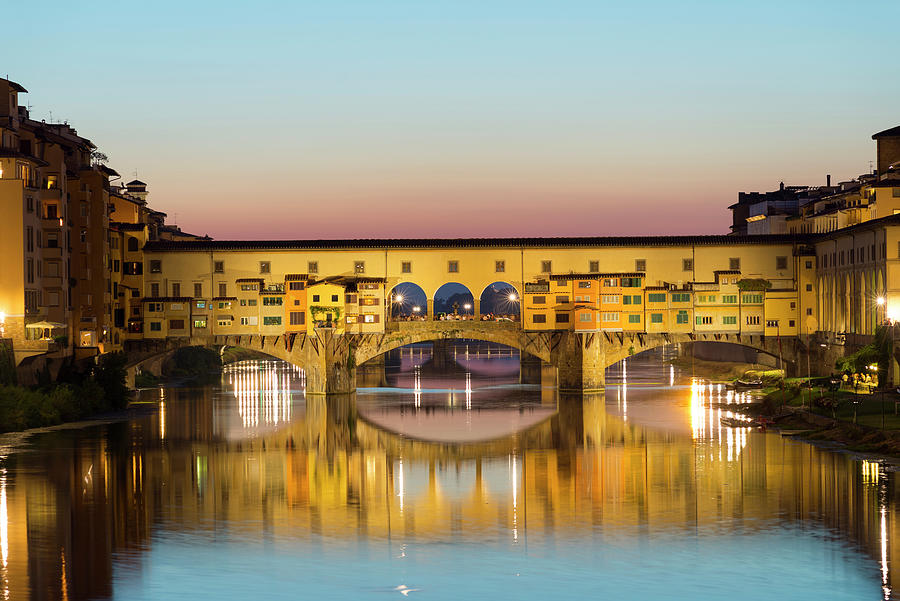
(352, 119)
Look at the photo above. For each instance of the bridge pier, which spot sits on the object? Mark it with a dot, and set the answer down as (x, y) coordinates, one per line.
(580, 362)
(330, 365)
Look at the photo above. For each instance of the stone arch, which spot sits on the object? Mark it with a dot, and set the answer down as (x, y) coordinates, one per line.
(453, 298)
(407, 300)
(501, 298)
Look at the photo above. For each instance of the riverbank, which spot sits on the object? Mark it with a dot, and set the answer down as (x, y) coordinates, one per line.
(716, 371)
(838, 419)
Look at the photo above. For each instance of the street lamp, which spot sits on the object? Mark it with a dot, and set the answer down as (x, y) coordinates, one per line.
(880, 302)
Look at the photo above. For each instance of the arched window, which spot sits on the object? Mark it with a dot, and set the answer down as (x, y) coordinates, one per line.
(132, 244)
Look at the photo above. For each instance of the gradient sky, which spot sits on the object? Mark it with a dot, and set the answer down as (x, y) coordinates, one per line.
(463, 118)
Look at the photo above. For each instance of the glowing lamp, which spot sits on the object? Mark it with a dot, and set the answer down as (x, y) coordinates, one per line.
(398, 298)
(467, 306)
(513, 297)
(880, 301)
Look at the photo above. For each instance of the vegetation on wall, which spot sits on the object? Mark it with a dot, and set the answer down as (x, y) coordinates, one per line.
(316, 310)
(753, 284)
(77, 393)
(7, 364)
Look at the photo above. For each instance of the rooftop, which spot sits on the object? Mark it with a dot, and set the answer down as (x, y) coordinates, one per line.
(893, 132)
(385, 243)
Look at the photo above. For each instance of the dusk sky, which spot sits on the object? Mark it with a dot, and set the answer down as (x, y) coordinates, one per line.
(468, 118)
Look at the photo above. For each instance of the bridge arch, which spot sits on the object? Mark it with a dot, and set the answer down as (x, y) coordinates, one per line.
(453, 298)
(407, 300)
(501, 298)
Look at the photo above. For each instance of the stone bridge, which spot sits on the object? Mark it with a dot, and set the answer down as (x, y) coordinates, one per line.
(329, 360)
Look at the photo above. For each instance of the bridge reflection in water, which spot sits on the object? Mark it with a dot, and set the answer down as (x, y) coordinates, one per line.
(85, 512)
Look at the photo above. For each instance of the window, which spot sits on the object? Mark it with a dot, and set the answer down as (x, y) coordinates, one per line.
(629, 299)
(223, 289)
(272, 320)
(52, 240)
(734, 264)
(249, 287)
(219, 266)
(640, 264)
(156, 326)
(791, 323)
(499, 266)
(296, 286)
(406, 267)
(350, 299)
(312, 267)
(610, 299)
(224, 323)
(251, 302)
(199, 323)
(538, 300)
(809, 263)
(752, 320)
(752, 299)
(176, 289)
(198, 289)
(250, 321)
(780, 263)
(200, 304)
(594, 266)
(132, 244)
(272, 301)
(562, 318)
(634, 318)
(771, 323)
(585, 317)
(656, 318)
(334, 298)
(359, 267)
(729, 320)
(265, 267)
(225, 305)
(687, 265)
(809, 287)
(656, 297)
(154, 289)
(562, 299)
(453, 266)
(546, 266)
(809, 310)
(53, 299)
(155, 266)
(703, 320)
(610, 317)
(631, 282)
(315, 298)
(176, 324)
(584, 285)
(155, 307)
(539, 318)
(681, 317)
(608, 283)
(298, 318)
(793, 305)
(369, 301)
(681, 297)
(370, 318)
(729, 299)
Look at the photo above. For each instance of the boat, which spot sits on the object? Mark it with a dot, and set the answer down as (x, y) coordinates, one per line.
(739, 383)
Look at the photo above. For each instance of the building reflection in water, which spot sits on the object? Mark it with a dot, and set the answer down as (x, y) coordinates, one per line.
(80, 509)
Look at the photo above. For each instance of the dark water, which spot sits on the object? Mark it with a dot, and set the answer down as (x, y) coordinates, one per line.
(445, 479)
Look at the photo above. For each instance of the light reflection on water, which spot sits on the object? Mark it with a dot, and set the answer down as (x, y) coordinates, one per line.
(447, 479)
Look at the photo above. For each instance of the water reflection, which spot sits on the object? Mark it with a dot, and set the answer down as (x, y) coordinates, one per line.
(250, 490)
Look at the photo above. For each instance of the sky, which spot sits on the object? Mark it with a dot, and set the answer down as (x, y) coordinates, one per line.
(470, 118)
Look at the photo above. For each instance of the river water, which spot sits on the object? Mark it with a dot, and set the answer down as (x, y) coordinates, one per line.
(445, 478)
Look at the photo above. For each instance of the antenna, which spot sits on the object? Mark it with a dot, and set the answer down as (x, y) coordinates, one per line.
(871, 166)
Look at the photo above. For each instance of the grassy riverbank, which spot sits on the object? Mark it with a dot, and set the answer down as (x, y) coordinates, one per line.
(867, 423)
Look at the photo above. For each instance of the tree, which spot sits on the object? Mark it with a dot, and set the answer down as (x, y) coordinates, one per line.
(98, 158)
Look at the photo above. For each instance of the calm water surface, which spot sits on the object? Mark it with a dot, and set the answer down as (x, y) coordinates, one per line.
(445, 478)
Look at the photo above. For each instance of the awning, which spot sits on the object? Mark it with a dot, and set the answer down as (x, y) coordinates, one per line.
(43, 325)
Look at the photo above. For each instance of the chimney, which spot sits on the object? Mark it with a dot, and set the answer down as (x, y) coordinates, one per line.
(781, 186)
(828, 181)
